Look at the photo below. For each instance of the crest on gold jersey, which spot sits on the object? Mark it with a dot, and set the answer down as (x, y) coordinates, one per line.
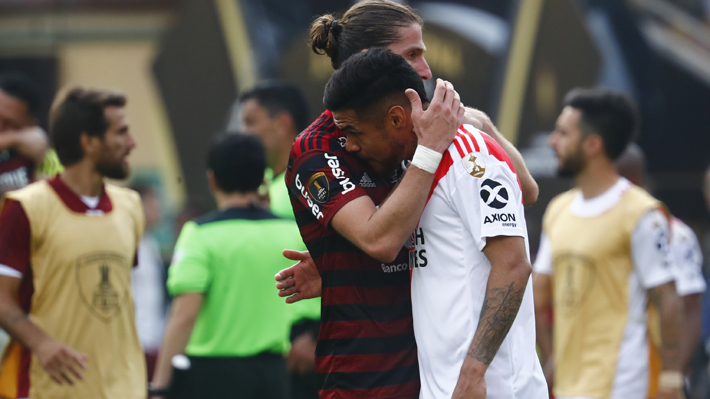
(577, 275)
(474, 165)
(103, 280)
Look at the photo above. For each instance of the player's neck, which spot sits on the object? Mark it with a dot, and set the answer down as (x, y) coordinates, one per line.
(83, 179)
(234, 200)
(280, 165)
(596, 178)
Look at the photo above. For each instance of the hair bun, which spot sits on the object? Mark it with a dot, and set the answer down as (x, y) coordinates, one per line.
(332, 27)
(324, 34)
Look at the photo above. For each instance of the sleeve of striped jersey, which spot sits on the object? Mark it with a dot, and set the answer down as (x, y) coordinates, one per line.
(688, 260)
(650, 250)
(543, 261)
(489, 205)
(189, 271)
(15, 237)
(323, 183)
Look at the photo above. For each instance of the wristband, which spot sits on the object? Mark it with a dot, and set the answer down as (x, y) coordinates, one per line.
(426, 159)
(671, 380)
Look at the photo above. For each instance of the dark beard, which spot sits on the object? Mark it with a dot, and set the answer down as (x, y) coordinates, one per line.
(112, 170)
(572, 166)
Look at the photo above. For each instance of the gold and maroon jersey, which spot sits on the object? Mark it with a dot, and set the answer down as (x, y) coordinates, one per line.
(75, 264)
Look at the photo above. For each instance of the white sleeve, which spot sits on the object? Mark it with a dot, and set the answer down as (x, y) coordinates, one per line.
(490, 205)
(688, 260)
(650, 250)
(543, 261)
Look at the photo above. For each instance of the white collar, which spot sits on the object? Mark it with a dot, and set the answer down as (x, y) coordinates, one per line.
(592, 207)
(91, 202)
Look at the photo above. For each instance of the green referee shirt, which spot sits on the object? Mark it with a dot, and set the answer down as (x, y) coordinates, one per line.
(231, 257)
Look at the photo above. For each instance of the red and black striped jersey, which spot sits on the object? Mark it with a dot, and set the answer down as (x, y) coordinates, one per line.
(366, 346)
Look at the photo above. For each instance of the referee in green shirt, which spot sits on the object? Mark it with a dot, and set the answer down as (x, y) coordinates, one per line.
(224, 315)
(276, 112)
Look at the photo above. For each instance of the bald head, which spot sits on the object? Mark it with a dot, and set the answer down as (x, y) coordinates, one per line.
(632, 164)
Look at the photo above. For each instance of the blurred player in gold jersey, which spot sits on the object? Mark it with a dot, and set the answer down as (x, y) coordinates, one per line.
(67, 247)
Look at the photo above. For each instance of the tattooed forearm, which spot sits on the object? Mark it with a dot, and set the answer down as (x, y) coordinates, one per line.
(497, 315)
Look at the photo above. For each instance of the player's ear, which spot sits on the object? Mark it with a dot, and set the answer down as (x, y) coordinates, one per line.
(594, 145)
(397, 117)
(89, 144)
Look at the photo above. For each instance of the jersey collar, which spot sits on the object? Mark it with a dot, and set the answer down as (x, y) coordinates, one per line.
(73, 201)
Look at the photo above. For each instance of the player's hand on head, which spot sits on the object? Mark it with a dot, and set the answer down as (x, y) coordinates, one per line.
(436, 126)
(61, 362)
(300, 281)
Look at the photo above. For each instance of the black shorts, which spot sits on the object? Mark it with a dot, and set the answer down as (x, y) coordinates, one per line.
(262, 376)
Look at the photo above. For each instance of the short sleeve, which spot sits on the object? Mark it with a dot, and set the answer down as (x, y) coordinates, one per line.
(489, 205)
(543, 261)
(189, 271)
(323, 183)
(688, 260)
(650, 250)
(15, 238)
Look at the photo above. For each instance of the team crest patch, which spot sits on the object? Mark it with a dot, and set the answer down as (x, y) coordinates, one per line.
(103, 279)
(318, 187)
(580, 274)
(474, 165)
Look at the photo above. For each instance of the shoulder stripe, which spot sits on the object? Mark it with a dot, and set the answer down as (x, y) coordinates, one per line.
(310, 138)
(457, 143)
(472, 137)
(463, 138)
(495, 150)
(441, 171)
(302, 138)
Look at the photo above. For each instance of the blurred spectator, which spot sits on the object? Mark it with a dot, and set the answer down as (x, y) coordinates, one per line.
(68, 247)
(604, 255)
(687, 259)
(148, 281)
(22, 142)
(276, 111)
(224, 315)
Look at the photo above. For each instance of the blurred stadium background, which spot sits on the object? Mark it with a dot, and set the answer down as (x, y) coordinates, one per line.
(183, 63)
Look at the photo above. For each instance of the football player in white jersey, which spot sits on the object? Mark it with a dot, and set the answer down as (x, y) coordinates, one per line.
(471, 291)
(686, 253)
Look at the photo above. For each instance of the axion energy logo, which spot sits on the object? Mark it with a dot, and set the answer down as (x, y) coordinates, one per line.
(494, 194)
